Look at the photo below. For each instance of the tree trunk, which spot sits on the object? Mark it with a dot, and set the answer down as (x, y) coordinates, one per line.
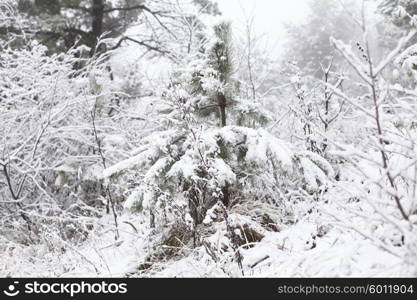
(97, 13)
(222, 102)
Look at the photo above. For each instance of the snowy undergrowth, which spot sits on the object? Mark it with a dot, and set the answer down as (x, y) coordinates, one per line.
(328, 240)
(314, 247)
(100, 255)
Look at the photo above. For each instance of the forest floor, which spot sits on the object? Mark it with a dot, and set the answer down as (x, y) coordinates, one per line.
(313, 247)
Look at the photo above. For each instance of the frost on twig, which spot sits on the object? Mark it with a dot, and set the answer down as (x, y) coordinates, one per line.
(354, 61)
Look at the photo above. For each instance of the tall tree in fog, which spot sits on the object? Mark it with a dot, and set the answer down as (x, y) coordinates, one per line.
(308, 44)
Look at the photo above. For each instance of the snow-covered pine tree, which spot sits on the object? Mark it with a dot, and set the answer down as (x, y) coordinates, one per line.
(207, 152)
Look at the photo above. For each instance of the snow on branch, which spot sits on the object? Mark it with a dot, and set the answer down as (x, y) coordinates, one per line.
(352, 59)
(339, 93)
(401, 44)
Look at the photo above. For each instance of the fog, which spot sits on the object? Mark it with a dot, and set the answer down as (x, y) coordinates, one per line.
(269, 15)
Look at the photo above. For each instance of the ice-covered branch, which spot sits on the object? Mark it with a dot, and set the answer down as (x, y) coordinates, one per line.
(400, 46)
(352, 59)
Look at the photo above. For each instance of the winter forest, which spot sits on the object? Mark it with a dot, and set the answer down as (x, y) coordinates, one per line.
(157, 138)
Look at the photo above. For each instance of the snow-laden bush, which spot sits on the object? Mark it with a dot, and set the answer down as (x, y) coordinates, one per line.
(52, 140)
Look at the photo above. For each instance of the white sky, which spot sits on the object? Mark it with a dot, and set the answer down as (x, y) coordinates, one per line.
(269, 14)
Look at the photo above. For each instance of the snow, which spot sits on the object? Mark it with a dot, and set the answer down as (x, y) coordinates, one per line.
(312, 174)
(132, 200)
(184, 167)
(223, 172)
(293, 252)
(126, 164)
(119, 166)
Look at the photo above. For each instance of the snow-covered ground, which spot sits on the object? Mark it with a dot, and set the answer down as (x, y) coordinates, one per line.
(316, 246)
